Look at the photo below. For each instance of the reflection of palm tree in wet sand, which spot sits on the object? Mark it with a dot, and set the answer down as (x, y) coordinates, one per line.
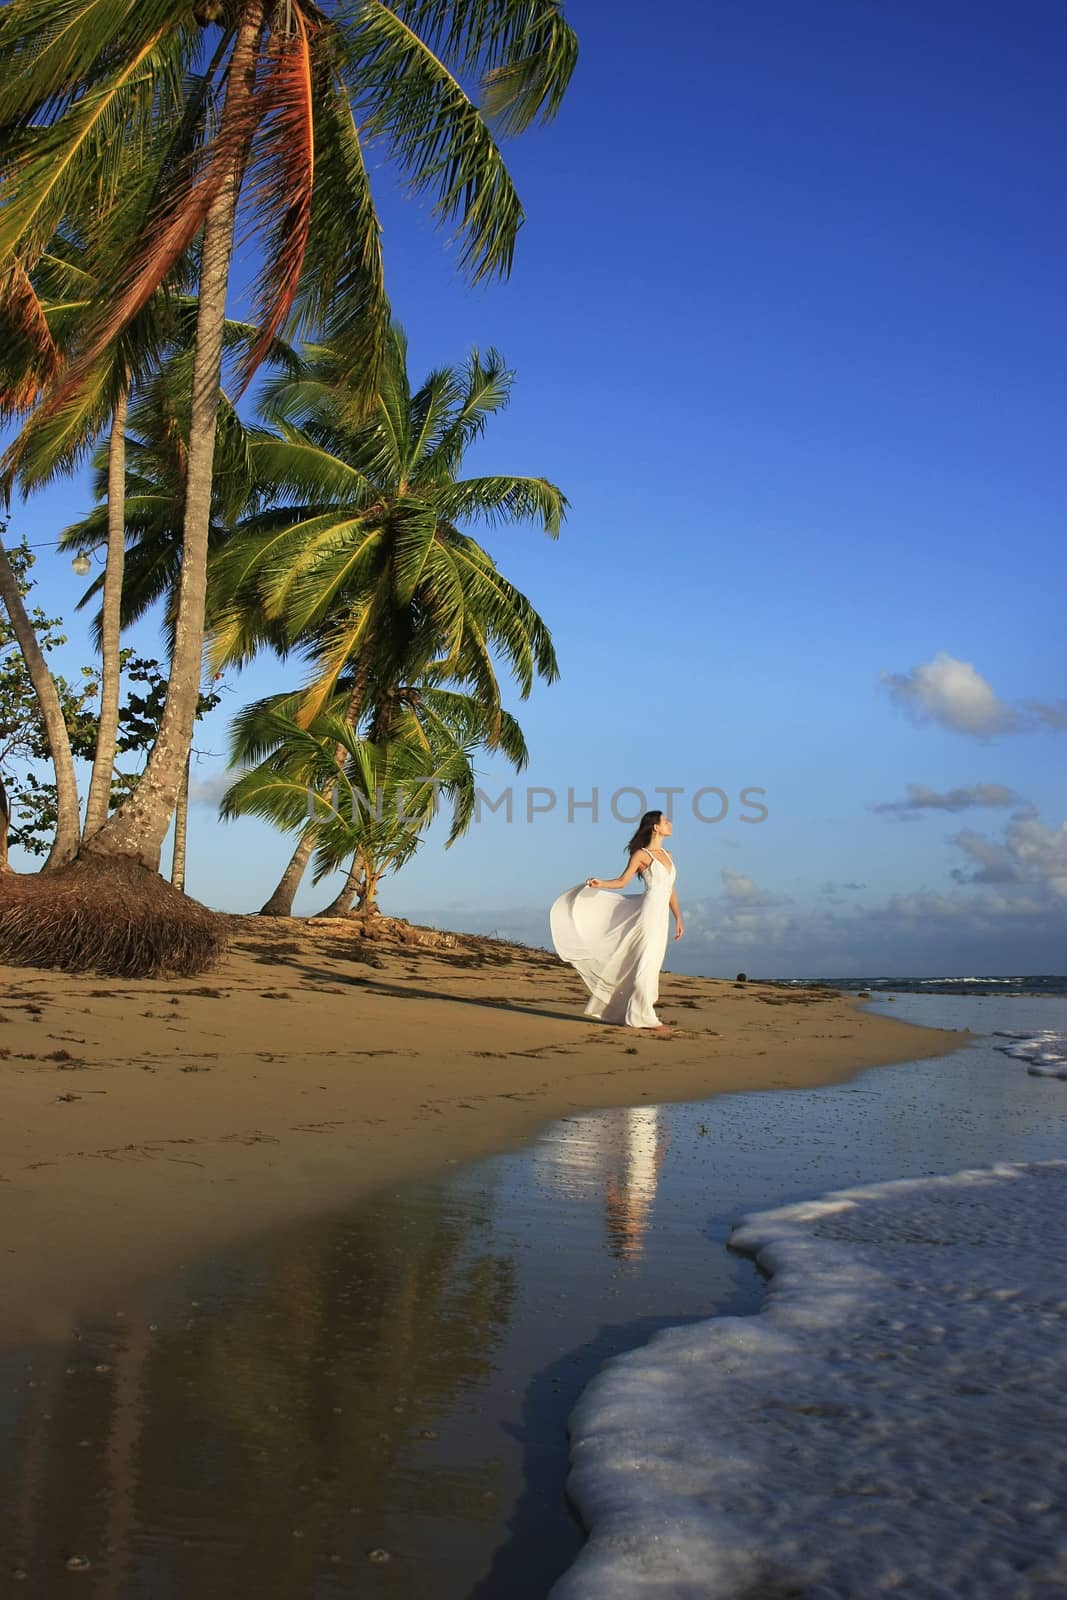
(628, 1195)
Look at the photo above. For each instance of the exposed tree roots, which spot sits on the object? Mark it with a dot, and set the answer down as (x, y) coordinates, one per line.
(107, 916)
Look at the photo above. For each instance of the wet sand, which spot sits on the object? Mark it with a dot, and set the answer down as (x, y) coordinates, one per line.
(144, 1122)
(374, 1401)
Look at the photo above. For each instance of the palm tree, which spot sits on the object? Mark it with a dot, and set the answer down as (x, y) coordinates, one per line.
(372, 807)
(356, 554)
(277, 114)
(68, 822)
(63, 185)
(429, 719)
(59, 290)
(145, 504)
(153, 496)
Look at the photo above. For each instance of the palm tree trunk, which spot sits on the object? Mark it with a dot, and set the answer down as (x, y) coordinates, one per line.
(181, 831)
(368, 891)
(341, 904)
(68, 822)
(280, 903)
(139, 827)
(99, 802)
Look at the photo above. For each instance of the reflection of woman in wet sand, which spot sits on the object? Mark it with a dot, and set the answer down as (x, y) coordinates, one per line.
(618, 944)
(628, 1199)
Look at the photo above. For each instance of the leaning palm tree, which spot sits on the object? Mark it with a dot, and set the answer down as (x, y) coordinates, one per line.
(356, 550)
(280, 99)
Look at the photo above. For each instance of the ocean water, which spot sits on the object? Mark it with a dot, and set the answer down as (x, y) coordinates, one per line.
(1044, 1051)
(375, 1402)
(1042, 985)
(892, 1421)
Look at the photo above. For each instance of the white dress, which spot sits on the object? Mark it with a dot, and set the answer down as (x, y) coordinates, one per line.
(617, 943)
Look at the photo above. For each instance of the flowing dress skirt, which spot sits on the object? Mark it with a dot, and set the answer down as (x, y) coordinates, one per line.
(617, 943)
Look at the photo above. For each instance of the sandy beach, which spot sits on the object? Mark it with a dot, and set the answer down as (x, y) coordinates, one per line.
(146, 1121)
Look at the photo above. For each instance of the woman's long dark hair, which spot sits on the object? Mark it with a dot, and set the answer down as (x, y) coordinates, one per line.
(644, 832)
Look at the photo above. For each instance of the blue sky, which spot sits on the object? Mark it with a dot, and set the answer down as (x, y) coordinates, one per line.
(788, 328)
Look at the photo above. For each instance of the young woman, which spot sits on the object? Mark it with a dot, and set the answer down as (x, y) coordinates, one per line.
(618, 944)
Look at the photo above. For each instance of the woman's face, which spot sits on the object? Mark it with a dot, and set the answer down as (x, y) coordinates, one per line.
(665, 827)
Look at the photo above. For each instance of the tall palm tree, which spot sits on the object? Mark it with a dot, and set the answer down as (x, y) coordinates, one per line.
(279, 104)
(63, 185)
(356, 552)
(153, 498)
(146, 504)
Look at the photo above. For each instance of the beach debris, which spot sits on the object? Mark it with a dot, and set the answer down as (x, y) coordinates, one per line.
(78, 1564)
(379, 1556)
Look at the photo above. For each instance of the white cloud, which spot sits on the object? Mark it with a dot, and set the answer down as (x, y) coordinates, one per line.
(921, 798)
(740, 890)
(924, 908)
(1030, 853)
(744, 917)
(954, 694)
(208, 791)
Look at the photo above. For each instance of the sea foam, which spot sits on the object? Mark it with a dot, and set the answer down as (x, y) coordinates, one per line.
(1046, 1051)
(894, 1421)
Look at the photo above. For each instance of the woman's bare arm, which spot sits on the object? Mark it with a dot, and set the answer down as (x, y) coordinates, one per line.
(679, 927)
(637, 861)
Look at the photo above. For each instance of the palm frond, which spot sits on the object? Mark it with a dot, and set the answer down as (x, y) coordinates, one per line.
(52, 48)
(408, 97)
(293, 468)
(341, 297)
(411, 529)
(58, 435)
(28, 353)
(525, 53)
(282, 183)
(500, 500)
(486, 389)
